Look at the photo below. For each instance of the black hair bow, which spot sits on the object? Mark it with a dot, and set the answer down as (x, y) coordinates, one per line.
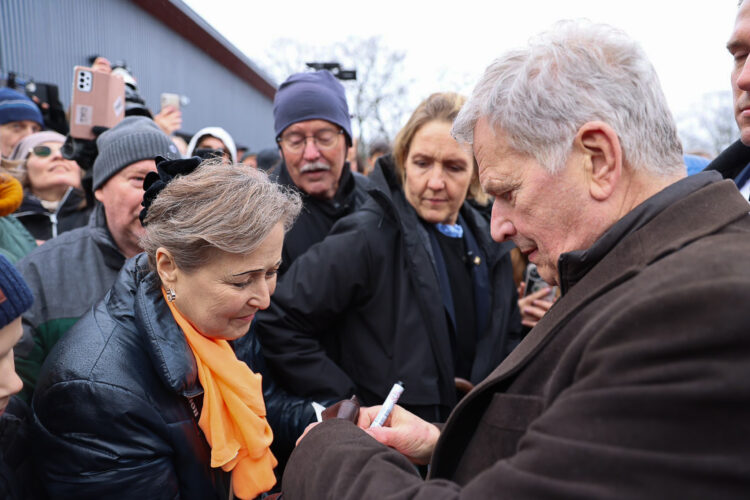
(166, 170)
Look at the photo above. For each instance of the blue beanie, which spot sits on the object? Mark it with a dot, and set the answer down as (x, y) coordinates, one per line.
(311, 96)
(15, 296)
(15, 107)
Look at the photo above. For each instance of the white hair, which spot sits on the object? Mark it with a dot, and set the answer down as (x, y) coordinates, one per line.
(577, 72)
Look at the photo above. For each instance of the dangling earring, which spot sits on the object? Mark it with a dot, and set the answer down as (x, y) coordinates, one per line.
(171, 295)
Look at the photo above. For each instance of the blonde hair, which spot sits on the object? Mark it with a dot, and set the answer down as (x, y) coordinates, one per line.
(441, 107)
(229, 207)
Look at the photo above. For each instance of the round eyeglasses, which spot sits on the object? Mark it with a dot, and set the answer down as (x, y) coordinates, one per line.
(295, 142)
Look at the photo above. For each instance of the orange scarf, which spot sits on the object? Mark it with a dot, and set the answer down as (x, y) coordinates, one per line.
(233, 417)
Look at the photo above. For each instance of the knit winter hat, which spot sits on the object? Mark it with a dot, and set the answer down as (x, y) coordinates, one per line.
(14, 107)
(217, 132)
(24, 147)
(134, 139)
(15, 296)
(311, 96)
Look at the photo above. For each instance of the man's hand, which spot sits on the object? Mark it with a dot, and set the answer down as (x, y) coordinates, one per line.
(404, 432)
(102, 65)
(169, 119)
(307, 429)
(533, 306)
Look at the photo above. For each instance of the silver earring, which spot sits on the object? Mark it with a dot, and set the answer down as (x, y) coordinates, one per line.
(171, 295)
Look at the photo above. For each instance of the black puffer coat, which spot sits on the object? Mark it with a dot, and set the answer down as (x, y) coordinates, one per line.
(363, 309)
(16, 457)
(113, 405)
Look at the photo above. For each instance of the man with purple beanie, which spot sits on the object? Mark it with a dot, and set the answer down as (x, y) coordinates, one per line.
(313, 131)
(19, 117)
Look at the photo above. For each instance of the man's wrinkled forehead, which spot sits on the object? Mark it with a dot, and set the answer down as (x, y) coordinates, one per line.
(489, 141)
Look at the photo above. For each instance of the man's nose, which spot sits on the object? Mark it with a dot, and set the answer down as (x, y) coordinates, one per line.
(501, 227)
(311, 151)
(743, 79)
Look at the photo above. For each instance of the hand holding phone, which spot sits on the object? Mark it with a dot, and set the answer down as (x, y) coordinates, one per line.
(98, 100)
(536, 297)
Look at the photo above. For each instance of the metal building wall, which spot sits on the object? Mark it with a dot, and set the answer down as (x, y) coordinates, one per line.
(45, 39)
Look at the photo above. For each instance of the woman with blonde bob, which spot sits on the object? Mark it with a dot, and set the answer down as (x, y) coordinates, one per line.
(145, 396)
(411, 287)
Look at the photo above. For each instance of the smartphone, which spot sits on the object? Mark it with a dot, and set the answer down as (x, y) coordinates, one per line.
(168, 99)
(534, 283)
(98, 100)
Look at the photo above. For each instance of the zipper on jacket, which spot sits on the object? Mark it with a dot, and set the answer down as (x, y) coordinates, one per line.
(53, 221)
(53, 216)
(196, 413)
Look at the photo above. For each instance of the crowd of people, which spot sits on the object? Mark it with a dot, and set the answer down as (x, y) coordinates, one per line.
(186, 320)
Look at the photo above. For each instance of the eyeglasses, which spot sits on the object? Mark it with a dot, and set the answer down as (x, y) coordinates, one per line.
(43, 151)
(323, 139)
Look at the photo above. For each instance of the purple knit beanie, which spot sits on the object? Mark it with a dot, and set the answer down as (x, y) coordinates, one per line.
(311, 96)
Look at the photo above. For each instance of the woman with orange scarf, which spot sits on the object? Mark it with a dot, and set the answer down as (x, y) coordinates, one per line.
(145, 396)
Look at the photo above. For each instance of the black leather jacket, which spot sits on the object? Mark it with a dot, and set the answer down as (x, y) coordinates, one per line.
(16, 457)
(114, 403)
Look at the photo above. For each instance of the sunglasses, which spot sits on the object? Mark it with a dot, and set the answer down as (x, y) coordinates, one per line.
(43, 151)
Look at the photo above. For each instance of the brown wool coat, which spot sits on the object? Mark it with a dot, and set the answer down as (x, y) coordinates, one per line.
(636, 384)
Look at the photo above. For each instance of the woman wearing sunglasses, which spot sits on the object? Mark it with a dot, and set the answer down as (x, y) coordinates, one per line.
(53, 201)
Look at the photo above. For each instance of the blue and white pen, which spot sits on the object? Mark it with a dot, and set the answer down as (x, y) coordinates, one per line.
(388, 404)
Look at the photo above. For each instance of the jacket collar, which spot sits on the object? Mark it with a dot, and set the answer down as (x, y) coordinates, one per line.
(573, 266)
(386, 189)
(703, 211)
(99, 231)
(70, 202)
(136, 298)
(731, 161)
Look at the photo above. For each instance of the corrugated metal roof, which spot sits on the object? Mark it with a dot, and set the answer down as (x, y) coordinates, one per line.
(45, 39)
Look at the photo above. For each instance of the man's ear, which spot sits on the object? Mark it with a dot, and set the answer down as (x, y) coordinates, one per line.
(600, 146)
(166, 266)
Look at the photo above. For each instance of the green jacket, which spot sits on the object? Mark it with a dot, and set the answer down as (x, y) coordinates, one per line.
(15, 240)
(68, 275)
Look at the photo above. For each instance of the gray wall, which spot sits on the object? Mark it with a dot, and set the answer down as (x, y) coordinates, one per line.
(45, 39)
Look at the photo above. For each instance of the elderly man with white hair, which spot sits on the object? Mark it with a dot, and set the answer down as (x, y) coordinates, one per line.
(634, 384)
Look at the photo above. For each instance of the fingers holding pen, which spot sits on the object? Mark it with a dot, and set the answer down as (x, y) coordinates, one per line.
(404, 432)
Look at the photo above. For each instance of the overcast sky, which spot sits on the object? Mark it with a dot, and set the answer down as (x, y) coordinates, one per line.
(684, 39)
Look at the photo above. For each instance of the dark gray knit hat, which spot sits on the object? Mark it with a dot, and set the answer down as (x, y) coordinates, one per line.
(311, 96)
(15, 296)
(134, 139)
